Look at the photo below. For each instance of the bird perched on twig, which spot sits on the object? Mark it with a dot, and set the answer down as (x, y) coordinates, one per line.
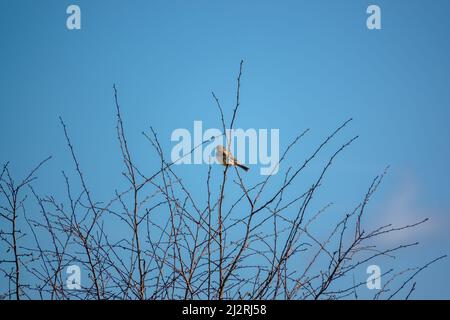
(226, 158)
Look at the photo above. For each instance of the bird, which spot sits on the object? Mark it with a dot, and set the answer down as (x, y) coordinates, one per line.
(226, 158)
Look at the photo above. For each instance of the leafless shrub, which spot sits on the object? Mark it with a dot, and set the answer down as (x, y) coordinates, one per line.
(259, 245)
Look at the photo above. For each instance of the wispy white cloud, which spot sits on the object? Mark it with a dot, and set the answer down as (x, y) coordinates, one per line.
(407, 204)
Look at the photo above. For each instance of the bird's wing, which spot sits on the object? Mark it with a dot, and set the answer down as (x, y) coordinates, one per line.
(229, 158)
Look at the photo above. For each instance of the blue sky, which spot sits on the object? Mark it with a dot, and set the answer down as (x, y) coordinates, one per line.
(308, 64)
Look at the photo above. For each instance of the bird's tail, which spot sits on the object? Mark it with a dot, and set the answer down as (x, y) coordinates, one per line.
(243, 167)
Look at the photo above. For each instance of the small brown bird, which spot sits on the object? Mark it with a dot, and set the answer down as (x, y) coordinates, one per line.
(226, 158)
